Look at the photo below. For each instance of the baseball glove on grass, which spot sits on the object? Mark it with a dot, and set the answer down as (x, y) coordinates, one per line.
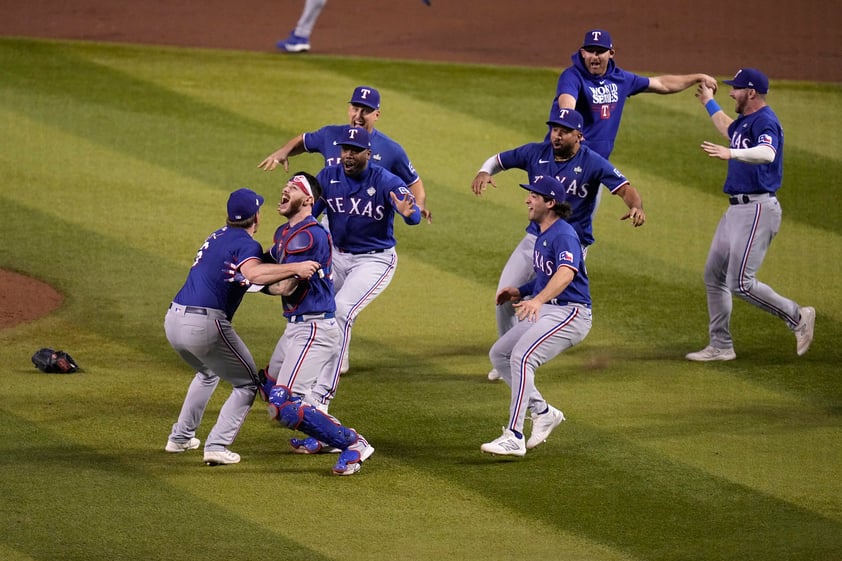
(54, 362)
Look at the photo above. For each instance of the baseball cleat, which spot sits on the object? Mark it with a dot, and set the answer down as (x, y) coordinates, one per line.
(543, 425)
(711, 353)
(493, 375)
(178, 447)
(804, 330)
(508, 444)
(311, 445)
(221, 457)
(351, 459)
(294, 44)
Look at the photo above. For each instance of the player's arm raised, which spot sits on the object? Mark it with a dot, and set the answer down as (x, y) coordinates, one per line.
(483, 177)
(633, 200)
(282, 155)
(406, 206)
(673, 83)
(719, 118)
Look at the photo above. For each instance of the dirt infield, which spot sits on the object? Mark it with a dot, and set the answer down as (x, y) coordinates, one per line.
(681, 36)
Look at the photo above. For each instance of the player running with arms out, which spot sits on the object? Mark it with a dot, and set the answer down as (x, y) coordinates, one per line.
(312, 337)
(360, 201)
(553, 311)
(745, 232)
(597, 88)
(198, 326)
(363, 111)
(581, 171)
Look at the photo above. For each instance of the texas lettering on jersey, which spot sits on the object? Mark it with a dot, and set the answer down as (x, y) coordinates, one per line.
(355, 206)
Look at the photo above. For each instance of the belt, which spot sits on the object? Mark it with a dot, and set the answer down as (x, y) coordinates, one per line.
(373, 251)
(556, 302)
(310, 317)
(191, 309)
(746, 199)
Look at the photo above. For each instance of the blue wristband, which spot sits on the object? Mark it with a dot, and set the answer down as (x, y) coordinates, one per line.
(712, 107)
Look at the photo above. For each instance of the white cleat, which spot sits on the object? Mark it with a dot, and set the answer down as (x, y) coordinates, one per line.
(543, 425)
(508, 444)
(493, 375)
(179, 447)
(804, 330)
(711, 353)
(221, 457)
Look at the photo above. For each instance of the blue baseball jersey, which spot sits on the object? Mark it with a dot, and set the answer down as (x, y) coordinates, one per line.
(761, 128)
(360, 209)
(207, 283)
(558, 246)
(385, 152)
(599, 99)
(306, 241)
(581, 176)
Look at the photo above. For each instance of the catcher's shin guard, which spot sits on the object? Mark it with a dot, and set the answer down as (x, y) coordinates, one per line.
(292, 413)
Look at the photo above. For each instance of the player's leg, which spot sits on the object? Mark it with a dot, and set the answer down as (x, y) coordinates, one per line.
(292, 413)
(232, 361)
(517, 271)
(299, 39)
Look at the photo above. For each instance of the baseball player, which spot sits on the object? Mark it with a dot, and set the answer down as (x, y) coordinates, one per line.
(595, 87)
(580, 170)
(311, 338)
(742, 238)
(299, 38)
(360, 201)
(198, 326)
(553, 311)
(363, 111)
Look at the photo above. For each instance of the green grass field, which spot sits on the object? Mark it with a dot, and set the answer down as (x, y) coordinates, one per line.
(116, 164)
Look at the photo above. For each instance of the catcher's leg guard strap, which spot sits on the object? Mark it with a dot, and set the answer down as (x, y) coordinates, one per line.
(292, 413)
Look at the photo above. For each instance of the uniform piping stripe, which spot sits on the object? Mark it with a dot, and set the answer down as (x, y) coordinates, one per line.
(299, 362)
(235, 352)
(758, 209)
(532, 348)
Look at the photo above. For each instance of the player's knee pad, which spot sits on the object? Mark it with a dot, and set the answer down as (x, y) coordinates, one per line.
(326, 428)
(285, 407)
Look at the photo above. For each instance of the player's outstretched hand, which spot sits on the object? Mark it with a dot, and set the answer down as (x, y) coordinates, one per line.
(716, 151)
(273, 160)
(305, 269)
(426, 215)
(636, 215)
(507, 294)
(232, 274)
(481, 182)
(406, 205)
(527, 310)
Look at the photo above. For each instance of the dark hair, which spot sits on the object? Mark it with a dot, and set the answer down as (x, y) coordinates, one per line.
(244, 223)
(314, 184)
(563, 210)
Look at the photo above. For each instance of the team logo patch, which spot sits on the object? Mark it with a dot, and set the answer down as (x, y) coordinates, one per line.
(765, 139)
(371, 191)
(566, 256)
(377, 157)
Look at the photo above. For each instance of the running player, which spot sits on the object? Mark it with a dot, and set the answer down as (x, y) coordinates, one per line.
(554, 313)
(742, 238)
(581, 170)
(198, 326)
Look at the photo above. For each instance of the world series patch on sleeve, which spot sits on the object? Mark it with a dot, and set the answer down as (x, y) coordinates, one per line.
(54, 362)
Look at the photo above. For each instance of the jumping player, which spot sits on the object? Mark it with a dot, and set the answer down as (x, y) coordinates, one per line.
(554, 314)
(581, 171)
(360, 201)
(198, 326)
(743, 236)
(312, 337)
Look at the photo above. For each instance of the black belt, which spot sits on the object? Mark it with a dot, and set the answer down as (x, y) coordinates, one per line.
(556, 302)
(192, 309)
(310, 317)
(362, 252)
(745, 199)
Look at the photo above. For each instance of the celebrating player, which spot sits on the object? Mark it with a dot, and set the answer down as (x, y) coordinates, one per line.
(363, 111)
(198, 326)
(312, 337)
(595, 87)
(581, 171)
(743, 236)
(554, 314)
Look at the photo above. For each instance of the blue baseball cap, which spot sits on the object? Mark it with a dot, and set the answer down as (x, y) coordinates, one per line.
(243, 203)
(569, 118)
(750, 78)
(366, 96)
(598, 38)
(355, 136)
(548, 186)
